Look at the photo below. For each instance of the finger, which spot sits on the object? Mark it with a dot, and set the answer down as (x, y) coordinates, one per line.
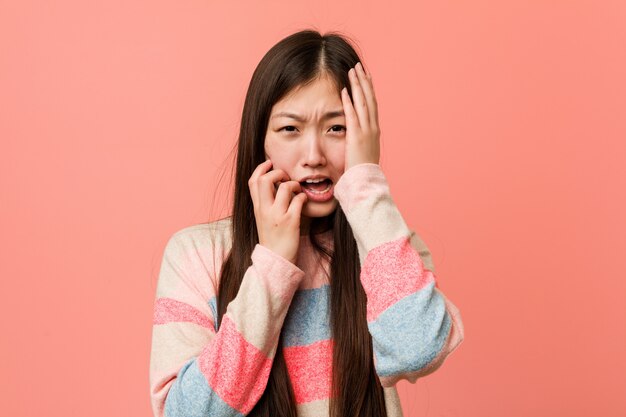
(368, 91)
(295, 208)
(352, 123)
(360, 105)
(285, 194)
(261, 169)
(265, 185)
(258, 171)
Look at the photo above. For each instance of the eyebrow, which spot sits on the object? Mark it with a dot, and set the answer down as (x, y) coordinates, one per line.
(327, 115)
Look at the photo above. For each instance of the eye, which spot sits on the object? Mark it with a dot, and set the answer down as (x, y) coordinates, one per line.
(339, 126)
(281, 129)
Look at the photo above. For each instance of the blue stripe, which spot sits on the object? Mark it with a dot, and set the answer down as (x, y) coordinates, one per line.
(307, 320)
(191, 396)
(409, 334)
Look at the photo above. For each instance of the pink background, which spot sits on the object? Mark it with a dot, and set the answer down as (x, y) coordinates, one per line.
(503, 138)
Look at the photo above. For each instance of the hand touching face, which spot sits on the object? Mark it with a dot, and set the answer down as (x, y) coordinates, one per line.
(363, 132)
(306, 137)
(315, 131)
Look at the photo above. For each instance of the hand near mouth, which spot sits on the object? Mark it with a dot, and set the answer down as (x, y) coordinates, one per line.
(277, 209)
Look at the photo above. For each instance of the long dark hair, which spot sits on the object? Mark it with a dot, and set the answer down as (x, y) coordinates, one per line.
(356, 389)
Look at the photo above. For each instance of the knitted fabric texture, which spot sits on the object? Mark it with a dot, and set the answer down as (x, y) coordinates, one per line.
(196, 369)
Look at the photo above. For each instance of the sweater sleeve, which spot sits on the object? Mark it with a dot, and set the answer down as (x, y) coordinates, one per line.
(196, 369)
(413, 325)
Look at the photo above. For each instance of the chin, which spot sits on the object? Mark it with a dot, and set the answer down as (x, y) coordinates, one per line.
(314, 209)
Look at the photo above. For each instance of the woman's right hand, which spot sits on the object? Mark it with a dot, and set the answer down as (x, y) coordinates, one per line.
(277, 211)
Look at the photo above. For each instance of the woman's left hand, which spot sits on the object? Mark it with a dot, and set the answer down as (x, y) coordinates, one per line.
(362, 130)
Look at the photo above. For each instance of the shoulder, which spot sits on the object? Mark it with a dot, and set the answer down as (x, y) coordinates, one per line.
(205, 235)
(201, 248)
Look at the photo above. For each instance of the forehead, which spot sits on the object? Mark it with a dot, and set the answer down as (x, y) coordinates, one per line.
(320, 93)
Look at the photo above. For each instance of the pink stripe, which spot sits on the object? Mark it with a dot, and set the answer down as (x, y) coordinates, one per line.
(235, 369)
(390, 272)
(310, 370)
(167, 310)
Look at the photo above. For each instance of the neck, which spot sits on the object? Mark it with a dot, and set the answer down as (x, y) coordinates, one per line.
(319, 225)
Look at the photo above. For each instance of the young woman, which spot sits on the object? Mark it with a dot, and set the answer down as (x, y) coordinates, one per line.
(314, 298)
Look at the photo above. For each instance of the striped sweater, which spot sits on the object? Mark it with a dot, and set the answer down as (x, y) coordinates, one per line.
(198, 370)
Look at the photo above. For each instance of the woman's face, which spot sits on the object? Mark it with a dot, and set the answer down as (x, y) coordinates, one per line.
(311, 142)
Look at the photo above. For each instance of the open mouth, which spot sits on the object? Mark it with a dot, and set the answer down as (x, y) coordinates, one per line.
(318, 187)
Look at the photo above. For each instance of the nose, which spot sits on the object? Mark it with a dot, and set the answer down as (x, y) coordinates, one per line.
(314, 151)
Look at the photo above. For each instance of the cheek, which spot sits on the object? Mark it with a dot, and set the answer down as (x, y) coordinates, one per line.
(271, 152)
(281, 160)
(339, 156)
(268, 145)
